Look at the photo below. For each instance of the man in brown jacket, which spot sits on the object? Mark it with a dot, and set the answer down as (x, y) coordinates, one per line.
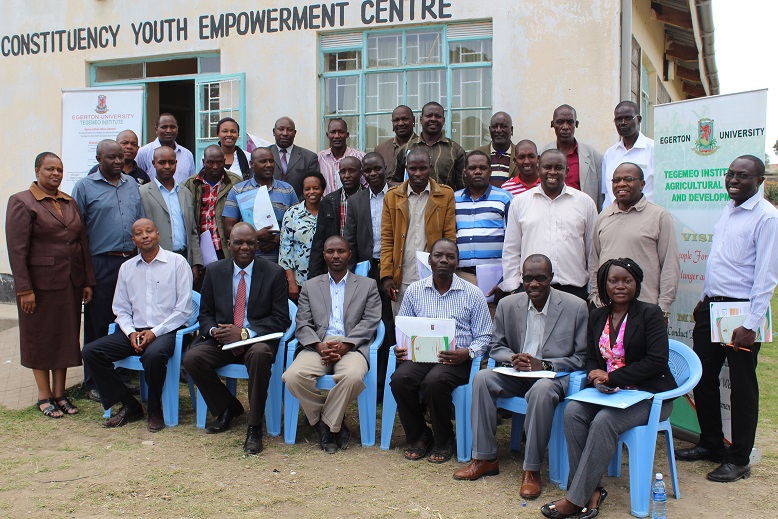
(416, 214)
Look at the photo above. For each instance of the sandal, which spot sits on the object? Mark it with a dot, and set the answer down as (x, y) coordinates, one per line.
(51, 409)
(591, 513)
(442, 455)
(549, 510)
(66, 406)
(419, 449)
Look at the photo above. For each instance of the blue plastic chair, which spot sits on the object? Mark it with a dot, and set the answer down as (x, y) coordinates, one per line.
(275, 389)
(170, 389)
(558, 464)
(641, 440)
(362, 268)
(462, 397)
(366, 400)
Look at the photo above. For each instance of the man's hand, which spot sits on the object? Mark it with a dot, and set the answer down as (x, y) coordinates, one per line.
(86, 295)
(268, 240)
(146, 338)
(526, 362)
(389, 288)
(28, 303)
(135, 342)
(197, 271)
(743, 338)
(498, 294)
(598, 376)
(294, 291)
(458, 356)
(329, 352)
(226, 333)
(400, 353)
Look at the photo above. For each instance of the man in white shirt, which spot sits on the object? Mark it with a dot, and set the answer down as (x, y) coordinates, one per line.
(632, 147)
(554, 220)
(167, 132)
(153, 299)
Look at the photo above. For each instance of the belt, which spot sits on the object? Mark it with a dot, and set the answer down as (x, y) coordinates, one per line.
(121, 254)
(469, 270)
(723, 299)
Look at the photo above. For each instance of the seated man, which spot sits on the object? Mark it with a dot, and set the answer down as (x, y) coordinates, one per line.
(442, 295)
(153, 298)
(242, 297)
(332, 341)
(540, 329)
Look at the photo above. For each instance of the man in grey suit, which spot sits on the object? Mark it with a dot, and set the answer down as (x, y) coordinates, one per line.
(171, 208)
(584, 162)
(292, 162)
(541, 329)
(337, 317)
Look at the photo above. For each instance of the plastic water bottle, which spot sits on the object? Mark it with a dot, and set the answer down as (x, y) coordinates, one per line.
(659, 498)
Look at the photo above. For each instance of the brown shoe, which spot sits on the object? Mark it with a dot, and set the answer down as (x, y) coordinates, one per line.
(123, 417)
(156, 423)
(478, 468)
(530, 484)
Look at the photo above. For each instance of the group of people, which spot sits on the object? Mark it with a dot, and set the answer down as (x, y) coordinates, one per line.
(590, 268)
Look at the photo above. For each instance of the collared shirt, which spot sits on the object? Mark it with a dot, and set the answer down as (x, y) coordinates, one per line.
(481, 225)
(388, 150)
(500, 162)
(209, 199)
(742, 263)
(536, 328)
(641, 153)
(463, 302)
(561, 229)
(156, 295)
(344, 207)
(376, 211)
(337, 296)
(330, 167)
(108, 211)
(297, 232)
(447, 161)
(416, 235)
(516, 186)
(185, 166)
(573, 177)
(645, 233)
(176, 215)
(138, 174)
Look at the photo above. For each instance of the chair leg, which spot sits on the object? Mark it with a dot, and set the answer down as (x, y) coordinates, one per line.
(558, 464)
(192, 392)
(291, 414)
(170, 396)
(388, 415)
(639, 480)
(363, 404)
(232, 385)
(202, 410)
(144, 389)
(614, 469)
(671, 462)
(517, 431)
(462, 424)
(107, 413)
(273, 403)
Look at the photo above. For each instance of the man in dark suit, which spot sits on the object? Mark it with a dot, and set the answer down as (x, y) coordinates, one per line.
(333, 212)
(292, 162)
(337, 318)
(242, 297)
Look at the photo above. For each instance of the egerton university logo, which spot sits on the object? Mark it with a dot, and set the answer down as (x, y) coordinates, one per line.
(706, 142)
(102, 105)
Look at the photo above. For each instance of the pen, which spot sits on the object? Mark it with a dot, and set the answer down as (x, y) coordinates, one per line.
(732, 346)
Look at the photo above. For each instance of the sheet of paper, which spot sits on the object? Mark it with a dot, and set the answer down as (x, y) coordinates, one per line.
(258, 338)
(264, 214)
(621, 399)
(409, 328)
(426, 349)
(207, 249)
(726, 316)
(488, 276)
(423, 264)
(529, 374)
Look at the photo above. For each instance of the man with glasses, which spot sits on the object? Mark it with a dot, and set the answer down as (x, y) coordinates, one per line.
(501, 150)
(634, 227)
(632, 147)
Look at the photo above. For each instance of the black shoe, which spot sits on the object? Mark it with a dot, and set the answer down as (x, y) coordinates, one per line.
(253, 444)
(326, 441)
(124, 416)
(342, 437)
(93, 395)
(700, 453)
(222, 422)
(727, 473)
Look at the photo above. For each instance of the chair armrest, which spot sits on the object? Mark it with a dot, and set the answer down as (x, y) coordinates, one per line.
(290, 349)
(111, 328)
(577, 382)
(490, 363)
(189, 329)
(475, 367)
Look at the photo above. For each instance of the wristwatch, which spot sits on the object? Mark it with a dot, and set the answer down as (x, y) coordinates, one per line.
(244, 334)
(471, 353)
(547, 365)
(666, 314)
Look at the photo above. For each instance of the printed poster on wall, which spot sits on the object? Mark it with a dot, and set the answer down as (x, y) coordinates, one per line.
(90, 115)
(695, 142)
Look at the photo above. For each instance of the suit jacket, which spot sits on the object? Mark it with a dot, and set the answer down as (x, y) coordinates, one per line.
(564, 338)
(156, 210)
(439, 222)
(47, 250)
(300, 162)
(589, 171)
(195, 185)
(359, 228)
(646, 348)
(361, 312)
(327, 224)
(268, 307)
(512, 171)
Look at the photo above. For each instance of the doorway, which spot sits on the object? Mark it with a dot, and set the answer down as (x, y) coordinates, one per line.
(178, 98)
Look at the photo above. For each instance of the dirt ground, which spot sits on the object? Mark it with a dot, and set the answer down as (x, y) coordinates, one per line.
(72, 467)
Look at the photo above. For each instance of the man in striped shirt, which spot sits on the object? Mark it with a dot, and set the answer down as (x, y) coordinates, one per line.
(526, 160)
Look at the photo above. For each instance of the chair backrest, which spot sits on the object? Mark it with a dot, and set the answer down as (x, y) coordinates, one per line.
(195, 309)
(362, 268)
(684, 365)
(289, 333)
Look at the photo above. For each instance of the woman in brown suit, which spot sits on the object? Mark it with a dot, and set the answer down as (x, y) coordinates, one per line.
(52, 269)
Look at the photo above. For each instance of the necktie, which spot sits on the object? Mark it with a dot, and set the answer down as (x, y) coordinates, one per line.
(240, 308)
(284, 164)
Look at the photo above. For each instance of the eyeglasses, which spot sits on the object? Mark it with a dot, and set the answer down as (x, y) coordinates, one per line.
(628, 180)
(540, 278)
(625, 119)
(740, 176)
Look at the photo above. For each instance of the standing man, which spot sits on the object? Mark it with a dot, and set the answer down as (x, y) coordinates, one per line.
(417, 213)
(292, 162)
(501, 150)
(584, 163)
(337, 318)
(741, 267)
(633, 147)
(242, 297)
(556, 221)
(167, 132)
(634, 227)
(447, 158)
(129, 143)
(526, 159)
(403, 123)
(209, 189)
(329, 159)
(282, 196)
(542, 329)
(331, 220)
(146, 326)
(171, 207)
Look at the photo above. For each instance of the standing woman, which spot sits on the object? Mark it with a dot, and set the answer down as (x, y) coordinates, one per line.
(235, 159)
(52, 269)
(297, 230)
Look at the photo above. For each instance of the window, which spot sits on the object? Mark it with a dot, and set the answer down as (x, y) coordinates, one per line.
(366, 75)
(134, 70)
